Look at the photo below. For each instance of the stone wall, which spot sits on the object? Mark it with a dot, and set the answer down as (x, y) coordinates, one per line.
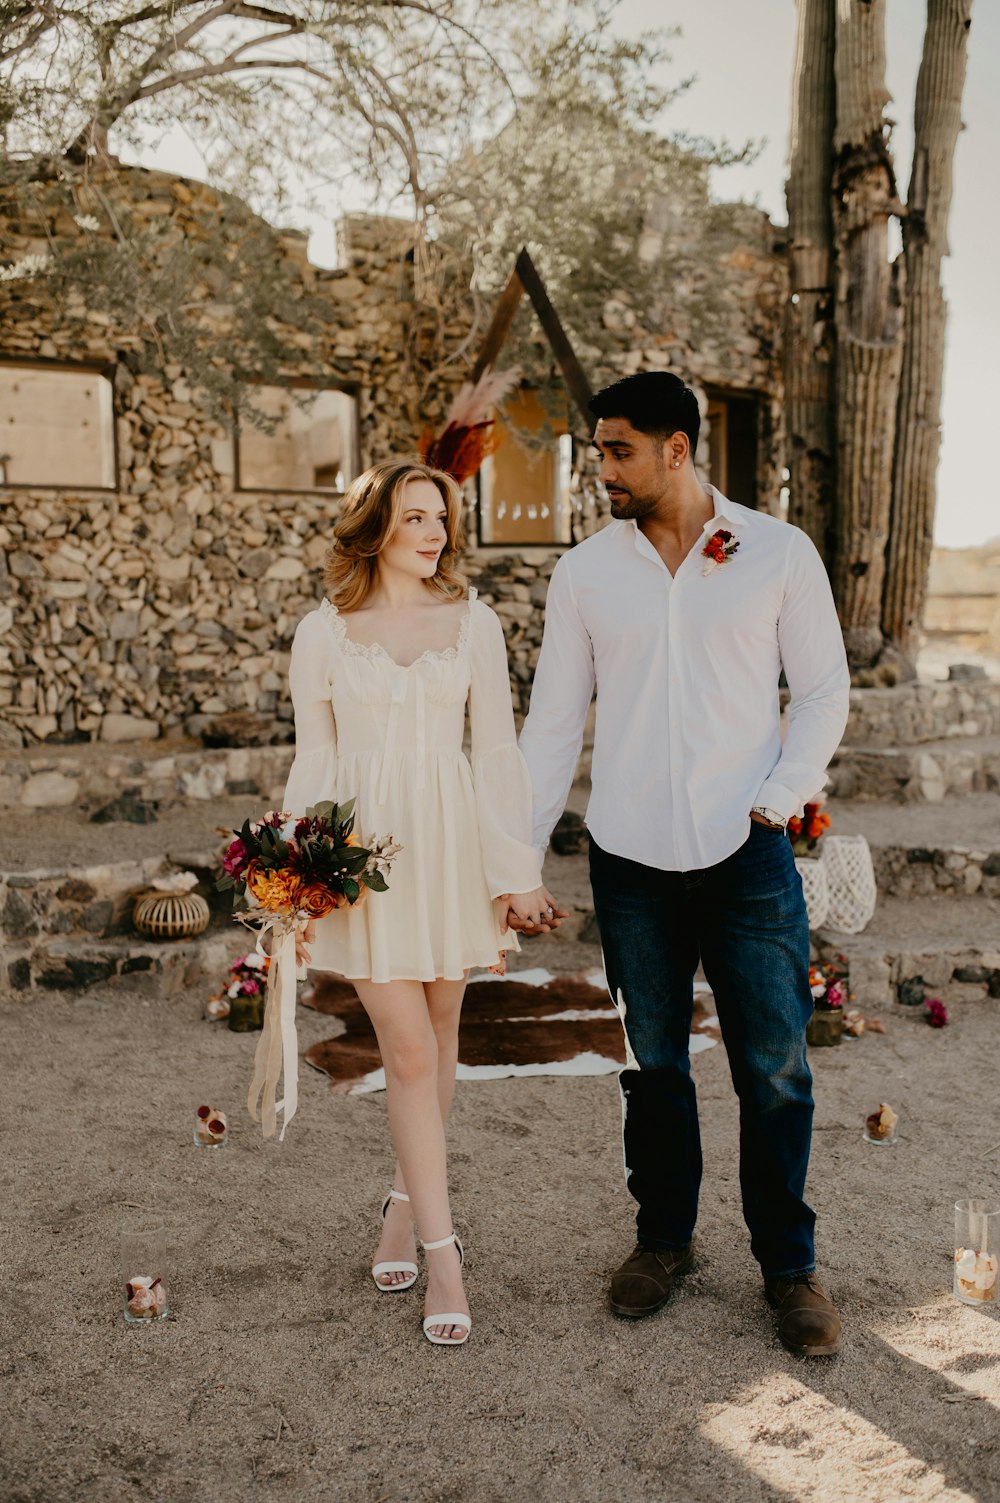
(144, 611)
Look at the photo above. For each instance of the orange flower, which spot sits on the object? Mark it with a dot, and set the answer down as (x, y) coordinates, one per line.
(317, 901)
(256, 878)
(275, 890)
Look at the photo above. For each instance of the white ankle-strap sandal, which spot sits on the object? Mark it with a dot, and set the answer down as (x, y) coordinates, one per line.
(408, 1268)
(452, 1317)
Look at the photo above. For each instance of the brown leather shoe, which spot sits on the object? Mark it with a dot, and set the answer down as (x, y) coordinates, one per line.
(806, 1318)
(642, 1285)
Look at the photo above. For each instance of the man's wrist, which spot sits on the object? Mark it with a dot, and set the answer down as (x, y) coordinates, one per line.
(770, 816)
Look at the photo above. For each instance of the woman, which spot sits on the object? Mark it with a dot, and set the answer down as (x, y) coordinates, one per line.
(380, 676)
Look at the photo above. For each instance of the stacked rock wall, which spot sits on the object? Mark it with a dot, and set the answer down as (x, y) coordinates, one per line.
(143, 611)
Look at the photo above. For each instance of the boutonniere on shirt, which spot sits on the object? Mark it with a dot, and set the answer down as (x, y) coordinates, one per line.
(719, 549)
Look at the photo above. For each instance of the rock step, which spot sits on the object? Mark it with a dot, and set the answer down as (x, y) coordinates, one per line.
(914, 947)
(911, 714)
(922, 849)
(62, 876)
(912, 774)
(139, 966)
(90, 774)
(188, 833)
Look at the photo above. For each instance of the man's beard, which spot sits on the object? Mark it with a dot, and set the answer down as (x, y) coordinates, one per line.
(630, 507)
(626, 507)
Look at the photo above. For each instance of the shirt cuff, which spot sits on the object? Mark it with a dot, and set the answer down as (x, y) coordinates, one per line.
(782, 800)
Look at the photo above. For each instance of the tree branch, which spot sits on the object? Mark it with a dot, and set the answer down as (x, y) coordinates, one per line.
(49, 18)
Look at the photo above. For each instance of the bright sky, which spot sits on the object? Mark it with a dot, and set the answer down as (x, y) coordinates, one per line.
(741, 52)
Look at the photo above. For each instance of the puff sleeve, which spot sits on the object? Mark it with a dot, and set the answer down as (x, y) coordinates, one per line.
(313, 776)
(499, 771)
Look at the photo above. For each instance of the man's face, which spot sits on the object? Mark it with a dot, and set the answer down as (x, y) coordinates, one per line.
(634, 468)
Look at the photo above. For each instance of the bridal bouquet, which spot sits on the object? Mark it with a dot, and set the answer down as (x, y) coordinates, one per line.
(290, 869)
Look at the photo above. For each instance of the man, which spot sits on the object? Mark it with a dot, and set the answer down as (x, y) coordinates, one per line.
(683, 612)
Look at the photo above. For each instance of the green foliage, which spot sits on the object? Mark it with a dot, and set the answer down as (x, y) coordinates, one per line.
(493, 123)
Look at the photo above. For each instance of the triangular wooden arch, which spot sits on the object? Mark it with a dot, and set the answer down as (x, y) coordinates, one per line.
(525, 278)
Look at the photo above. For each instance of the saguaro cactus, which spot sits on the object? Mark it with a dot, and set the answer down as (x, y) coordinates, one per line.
(937, 122)
(864, 350)
(809, 341)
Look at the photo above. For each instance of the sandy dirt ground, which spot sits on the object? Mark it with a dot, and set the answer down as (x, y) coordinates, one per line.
(283, 1374)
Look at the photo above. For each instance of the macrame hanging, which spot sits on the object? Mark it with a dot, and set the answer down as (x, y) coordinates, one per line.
(815, 889)
(850, 882)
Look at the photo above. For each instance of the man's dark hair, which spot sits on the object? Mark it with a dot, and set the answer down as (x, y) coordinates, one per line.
(654, 402)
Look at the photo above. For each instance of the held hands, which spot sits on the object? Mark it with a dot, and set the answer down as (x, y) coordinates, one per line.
(531, 912)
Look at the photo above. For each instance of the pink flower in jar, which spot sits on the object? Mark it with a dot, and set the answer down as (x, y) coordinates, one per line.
(250, 988)
(835, 994)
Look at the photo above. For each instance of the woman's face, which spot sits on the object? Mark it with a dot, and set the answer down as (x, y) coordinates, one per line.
(421, 533)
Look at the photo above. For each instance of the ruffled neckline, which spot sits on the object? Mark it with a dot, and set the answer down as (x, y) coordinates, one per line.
(374, 651)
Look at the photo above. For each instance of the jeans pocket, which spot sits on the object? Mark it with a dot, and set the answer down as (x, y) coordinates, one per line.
(762, 868)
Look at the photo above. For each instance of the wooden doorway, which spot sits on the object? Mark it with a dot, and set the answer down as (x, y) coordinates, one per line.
(732, 443)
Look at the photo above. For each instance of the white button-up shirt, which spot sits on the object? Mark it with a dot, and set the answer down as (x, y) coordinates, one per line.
(686, 667)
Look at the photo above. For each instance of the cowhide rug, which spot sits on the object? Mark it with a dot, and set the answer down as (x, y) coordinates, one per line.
(525, 1023)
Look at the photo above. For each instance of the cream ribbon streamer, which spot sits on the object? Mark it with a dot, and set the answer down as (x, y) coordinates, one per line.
(277, 1056)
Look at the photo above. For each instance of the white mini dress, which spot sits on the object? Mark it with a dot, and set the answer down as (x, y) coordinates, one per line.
(392, 737)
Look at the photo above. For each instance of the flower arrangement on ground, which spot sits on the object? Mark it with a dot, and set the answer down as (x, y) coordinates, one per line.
(291, 869)
(243, 989)
(829, 990)
(807, 832)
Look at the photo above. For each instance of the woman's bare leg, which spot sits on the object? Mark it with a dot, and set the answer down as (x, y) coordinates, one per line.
(444, 1006)
(408, 1044)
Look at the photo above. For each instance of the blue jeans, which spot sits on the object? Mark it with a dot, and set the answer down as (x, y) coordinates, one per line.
(746, 920)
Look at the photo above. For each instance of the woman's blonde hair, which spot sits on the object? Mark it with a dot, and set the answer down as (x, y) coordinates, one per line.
(370, 515)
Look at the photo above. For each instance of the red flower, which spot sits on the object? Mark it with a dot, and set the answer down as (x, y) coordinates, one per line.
(235, 859)
(936, 1013)
(720, 547)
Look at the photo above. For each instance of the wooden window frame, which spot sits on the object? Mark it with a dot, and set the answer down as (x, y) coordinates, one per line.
(555, 543)
(104, 368)
(302, 383)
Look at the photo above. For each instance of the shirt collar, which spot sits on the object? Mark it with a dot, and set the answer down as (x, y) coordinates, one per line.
(726, 513)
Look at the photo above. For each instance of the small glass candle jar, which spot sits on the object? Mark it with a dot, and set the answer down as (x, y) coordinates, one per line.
(880, 1126)
(210, 1129)
(246, 1014)
(977, 1244)
(825, 1027)
(143, 1266)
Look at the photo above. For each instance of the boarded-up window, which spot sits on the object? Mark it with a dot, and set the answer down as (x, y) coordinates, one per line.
(57, 427)
(308, 443)
(524, 494)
